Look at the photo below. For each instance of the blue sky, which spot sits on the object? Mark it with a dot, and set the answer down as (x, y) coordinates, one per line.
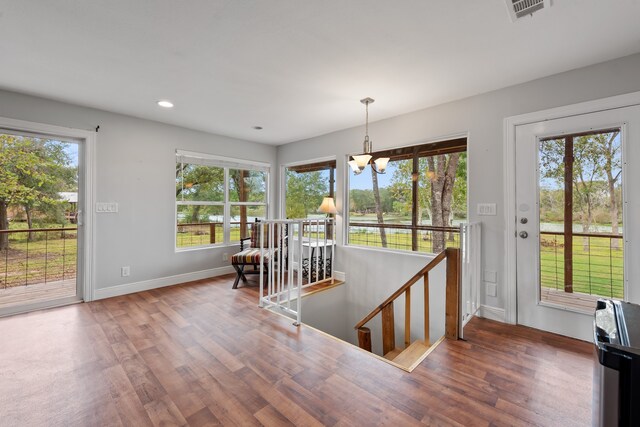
(72, 151)
(363, 181)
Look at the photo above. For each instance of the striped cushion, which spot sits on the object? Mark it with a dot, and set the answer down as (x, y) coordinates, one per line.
(250, 256)
(255, 234)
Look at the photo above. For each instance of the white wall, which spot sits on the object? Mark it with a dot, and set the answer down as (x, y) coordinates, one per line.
(327, 311)
(337, 310)
(373, 275)
(481, 117)
(136, 168)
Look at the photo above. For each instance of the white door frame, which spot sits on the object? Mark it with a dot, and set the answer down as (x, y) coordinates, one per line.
(509, 151)
(87, 214)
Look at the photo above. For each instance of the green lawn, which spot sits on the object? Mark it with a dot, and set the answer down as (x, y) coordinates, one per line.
(400, 239)
(200, 235)
(49, 256)
(597, 267)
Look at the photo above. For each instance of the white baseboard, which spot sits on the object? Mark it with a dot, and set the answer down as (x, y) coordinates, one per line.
(145, 285)
(492, 313)
(340, 275)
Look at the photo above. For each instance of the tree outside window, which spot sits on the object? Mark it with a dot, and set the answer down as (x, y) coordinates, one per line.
(306, 186)
(216, 201)
(417, 204)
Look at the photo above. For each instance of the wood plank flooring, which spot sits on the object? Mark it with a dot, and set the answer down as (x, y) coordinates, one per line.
(204, 354)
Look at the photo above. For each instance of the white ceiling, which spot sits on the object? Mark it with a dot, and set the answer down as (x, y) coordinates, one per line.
(296, 67)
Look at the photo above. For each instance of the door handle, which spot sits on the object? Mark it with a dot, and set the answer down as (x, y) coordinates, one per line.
(524, 234)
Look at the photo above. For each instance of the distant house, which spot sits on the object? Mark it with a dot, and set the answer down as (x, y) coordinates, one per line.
(71, 210)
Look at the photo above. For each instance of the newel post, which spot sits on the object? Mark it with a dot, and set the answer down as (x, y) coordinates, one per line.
(452, 312)
(364, 338)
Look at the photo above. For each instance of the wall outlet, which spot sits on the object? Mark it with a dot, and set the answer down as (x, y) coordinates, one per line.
(492, 289)
(225, 256)
(125, 271)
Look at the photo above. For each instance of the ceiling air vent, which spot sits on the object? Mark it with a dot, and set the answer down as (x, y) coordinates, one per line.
(520, 8)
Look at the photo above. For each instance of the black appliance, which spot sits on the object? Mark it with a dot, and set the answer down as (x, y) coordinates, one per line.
(617, 377)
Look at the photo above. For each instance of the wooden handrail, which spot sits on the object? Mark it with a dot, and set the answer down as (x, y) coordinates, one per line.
(452, 307)
(430, 266)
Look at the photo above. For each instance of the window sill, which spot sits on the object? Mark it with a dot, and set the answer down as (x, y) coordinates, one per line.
(204, 247)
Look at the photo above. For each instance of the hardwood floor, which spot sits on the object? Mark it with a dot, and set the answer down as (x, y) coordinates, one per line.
(203, 354)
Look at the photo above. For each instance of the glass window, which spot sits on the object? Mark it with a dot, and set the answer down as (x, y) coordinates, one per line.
(306, 186)
(199, 225)
(417, 204)
(199, 183)
(241, 218)
(247, 186)
(216, 200)
(580, 202)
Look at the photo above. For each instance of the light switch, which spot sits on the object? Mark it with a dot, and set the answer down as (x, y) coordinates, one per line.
(490, 276)
(492, 289)
(487, 209)
(106, 207)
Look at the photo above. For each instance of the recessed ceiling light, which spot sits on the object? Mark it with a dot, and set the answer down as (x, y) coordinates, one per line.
(257, 127)
(165, 104)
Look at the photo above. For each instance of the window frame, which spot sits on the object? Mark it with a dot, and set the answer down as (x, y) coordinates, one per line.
(226, 164)
(450, 145)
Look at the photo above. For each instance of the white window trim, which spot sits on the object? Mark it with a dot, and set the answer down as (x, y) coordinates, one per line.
(224, 163)
(221, 161)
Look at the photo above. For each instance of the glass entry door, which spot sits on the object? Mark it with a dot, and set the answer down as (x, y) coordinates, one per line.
(580, 211)
(571, 234)
(39, 221)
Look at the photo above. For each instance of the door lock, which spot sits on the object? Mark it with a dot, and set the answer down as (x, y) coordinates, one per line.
(524, 234)
(523, 220)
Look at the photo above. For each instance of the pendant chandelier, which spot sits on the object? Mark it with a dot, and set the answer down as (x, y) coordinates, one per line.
(359, 162)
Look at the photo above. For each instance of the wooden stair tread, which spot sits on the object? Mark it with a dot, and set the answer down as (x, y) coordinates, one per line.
(393, 354)
(411, 354)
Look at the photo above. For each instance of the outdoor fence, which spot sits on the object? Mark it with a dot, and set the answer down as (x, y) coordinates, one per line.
(206, 233)
(598, 267)
(39, 255)
(421, 238)
(197, 234)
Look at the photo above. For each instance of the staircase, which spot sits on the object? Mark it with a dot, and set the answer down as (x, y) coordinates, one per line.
(412, 353)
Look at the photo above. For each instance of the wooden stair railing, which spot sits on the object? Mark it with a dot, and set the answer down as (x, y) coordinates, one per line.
(452, 317)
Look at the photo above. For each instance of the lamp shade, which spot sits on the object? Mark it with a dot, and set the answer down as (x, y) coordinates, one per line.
(328, 206)
(362, 160)
(381, 164)
(354, 167)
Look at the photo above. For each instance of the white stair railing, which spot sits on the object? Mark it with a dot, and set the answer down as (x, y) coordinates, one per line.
(471, 270)
(299, 253)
